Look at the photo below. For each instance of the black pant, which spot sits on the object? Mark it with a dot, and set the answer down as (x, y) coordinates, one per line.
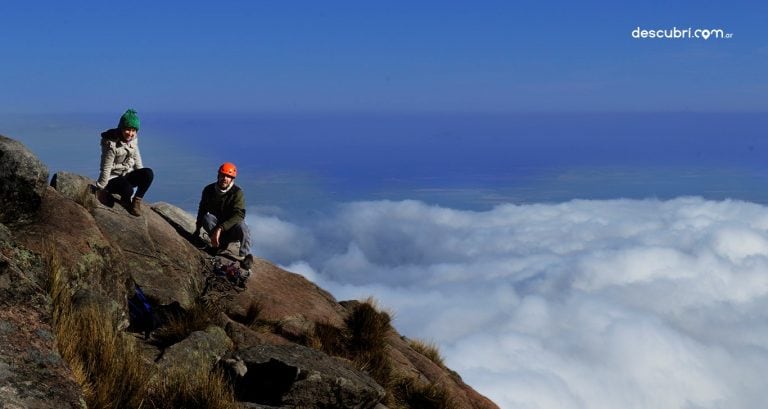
(123, 185)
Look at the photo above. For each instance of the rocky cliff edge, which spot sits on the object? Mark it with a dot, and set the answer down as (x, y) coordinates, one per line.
(69, 266)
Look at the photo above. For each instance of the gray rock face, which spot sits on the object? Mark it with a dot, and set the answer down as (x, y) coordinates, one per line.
(116, 245)
(22, 181)
(182, 221)
(5, 234)
(201, 349)
(293, 376)
(72, 185)
(32, 373)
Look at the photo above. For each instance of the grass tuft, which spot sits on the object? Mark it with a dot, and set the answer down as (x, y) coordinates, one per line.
(198, 389)
(103, 360)
(429, 350)
(367, 330)
(368, 327)
(181, 324)
(411, 392)
(331, 339)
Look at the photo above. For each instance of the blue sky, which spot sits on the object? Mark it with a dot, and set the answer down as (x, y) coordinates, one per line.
(289, 56)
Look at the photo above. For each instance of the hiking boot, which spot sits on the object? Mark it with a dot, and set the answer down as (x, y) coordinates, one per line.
(105, 198)
(134, 207)
(247, 262)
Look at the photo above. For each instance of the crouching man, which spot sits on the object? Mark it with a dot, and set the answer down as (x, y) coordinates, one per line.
(222, 214)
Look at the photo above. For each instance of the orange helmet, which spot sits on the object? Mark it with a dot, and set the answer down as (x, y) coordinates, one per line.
(229, 169)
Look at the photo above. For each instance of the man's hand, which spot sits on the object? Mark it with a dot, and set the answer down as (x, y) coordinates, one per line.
(215, 236)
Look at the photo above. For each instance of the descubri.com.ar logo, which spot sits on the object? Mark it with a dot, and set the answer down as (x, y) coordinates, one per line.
(678, 33)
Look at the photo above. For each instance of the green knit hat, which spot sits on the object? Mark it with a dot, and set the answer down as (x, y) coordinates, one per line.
(129, 120)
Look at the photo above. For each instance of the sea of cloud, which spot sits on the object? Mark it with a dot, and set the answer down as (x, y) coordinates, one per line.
(582, 304)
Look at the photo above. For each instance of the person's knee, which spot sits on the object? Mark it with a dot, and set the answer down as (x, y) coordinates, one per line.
(240, 230)
(120, 187)
(209, 222)
(149, 174)
(142, 177)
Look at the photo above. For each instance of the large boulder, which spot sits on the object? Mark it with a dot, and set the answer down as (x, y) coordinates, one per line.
(22, 181)
(201, 349)
(167, 266)
(66, 228)
(183, 222)
(293, 376)
(148, 248)
(73, 186)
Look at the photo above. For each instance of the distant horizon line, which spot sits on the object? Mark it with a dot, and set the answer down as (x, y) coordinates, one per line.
(385, 112)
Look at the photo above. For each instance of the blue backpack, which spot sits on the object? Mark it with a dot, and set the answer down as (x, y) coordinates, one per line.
(142, 316)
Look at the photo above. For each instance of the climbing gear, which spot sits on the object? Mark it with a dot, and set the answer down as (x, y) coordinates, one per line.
(231, 272)
(229, 169)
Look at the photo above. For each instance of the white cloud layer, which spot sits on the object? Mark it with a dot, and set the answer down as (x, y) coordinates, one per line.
(584, 304)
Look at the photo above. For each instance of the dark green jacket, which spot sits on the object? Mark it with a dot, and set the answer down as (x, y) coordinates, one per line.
(229, 207)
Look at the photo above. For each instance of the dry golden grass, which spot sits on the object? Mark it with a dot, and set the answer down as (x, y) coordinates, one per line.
(180, 325)
(367, 330)
(102, 359)
(410, 392)
(107, 365)
(368, 327)
(330, 339)
(429, 350)
(265, 326)
(198, 389)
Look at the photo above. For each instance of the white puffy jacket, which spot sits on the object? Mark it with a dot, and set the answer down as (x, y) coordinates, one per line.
(117, 157)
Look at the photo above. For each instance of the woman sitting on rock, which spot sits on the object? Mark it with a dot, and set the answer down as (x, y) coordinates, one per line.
(121, 167)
